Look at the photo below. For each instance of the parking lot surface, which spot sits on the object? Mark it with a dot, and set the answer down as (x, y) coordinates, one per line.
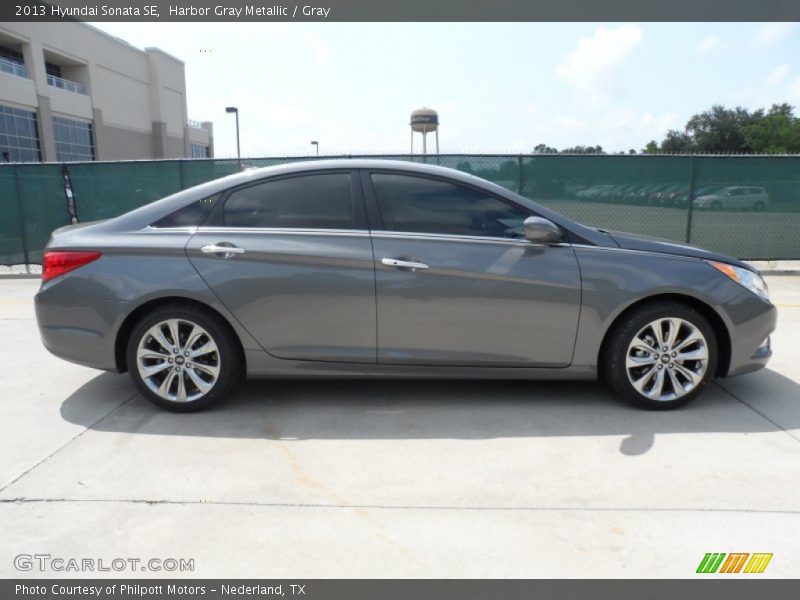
(395, 478)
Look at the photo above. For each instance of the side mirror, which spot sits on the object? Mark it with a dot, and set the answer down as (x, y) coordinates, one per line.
(541, 231)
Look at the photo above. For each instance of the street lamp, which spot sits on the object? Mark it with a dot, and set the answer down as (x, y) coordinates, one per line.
(315, 143)
(233, 109)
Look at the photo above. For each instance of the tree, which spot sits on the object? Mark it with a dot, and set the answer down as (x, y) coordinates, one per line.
(776, 132)
(651, 148)
(721, 129)
(583, 150)
(544, 149)
(678, 142)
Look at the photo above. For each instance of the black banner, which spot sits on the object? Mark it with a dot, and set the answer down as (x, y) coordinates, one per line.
(384, 589)
(401, 10)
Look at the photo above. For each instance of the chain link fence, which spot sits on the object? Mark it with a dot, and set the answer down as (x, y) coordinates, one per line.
(745, 206)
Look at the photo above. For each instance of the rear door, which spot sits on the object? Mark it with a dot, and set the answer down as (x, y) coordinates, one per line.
(291, 257)
(457, 284)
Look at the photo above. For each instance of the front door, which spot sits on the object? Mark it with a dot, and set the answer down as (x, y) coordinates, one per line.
(457, 284)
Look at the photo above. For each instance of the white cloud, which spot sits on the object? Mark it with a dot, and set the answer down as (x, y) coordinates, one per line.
(794, 90)
(592, 66)
(778, 75)
(775, 32)
(709, 43)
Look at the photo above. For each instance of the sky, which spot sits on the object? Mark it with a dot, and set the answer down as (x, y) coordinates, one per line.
(498, 87)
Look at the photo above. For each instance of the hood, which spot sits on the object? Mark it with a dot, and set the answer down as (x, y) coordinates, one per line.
(644, 243)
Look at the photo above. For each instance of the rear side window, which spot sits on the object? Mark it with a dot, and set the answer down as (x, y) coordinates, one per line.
(421, 205)
(192, 215)
(309, 202)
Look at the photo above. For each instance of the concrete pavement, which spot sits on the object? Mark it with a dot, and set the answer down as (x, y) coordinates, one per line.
(396, 478)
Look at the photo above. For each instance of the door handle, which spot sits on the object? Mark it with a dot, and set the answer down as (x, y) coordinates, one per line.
(403, 264)
(220, 249)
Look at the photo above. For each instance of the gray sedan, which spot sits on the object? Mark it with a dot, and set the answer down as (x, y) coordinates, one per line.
(366, 268)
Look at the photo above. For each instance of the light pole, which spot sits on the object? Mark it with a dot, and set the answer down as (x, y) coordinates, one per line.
(315, 143)
(233, 109)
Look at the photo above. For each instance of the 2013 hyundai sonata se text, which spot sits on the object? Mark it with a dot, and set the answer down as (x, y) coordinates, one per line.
(368, 268)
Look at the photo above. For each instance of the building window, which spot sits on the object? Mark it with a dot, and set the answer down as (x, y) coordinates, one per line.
(19, 135)
(74, 140)
(52, 69)
(12, 62)
(198, 151)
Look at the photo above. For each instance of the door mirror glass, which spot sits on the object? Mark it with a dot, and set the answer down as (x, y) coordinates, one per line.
(541, 231)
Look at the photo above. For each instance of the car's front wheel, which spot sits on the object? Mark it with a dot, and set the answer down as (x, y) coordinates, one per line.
(183, 358)
(661, 355)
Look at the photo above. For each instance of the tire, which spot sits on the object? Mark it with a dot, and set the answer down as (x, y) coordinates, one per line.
(716, 205)
(199, 380)
(758, 206)
(628, 339)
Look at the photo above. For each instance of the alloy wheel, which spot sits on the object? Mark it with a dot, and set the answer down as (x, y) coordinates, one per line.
(178, 360)
(667, 359)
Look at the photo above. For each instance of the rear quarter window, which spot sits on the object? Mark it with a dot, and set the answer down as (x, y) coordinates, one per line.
(192, 215)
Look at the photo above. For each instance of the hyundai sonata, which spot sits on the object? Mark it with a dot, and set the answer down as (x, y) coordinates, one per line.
(367, 268)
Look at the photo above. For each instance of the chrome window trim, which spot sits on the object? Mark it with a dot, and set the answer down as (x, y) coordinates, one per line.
(446, 237)
(284, 231)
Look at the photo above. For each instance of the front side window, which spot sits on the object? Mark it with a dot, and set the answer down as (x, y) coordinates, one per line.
(308, 202)
(421, 205)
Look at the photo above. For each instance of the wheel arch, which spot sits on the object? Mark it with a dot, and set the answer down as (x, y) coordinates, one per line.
(130, 321)
(712, 316)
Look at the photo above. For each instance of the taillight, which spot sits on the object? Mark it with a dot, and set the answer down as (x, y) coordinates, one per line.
(57, 262)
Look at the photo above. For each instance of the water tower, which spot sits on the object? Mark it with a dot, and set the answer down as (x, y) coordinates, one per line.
(425, 121)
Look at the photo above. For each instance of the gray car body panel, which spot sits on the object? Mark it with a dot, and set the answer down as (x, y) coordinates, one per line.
(309, 303)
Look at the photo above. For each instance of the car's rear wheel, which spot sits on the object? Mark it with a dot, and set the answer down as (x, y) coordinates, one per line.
(661, 356)
(183, 358)
(759, 206)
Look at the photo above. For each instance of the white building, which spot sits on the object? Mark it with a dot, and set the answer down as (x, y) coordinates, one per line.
(71, 92)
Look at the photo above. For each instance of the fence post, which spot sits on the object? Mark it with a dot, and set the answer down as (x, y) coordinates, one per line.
(182, 174)
(521, 176)
(691, 202)
(69, 194)
(23, 237)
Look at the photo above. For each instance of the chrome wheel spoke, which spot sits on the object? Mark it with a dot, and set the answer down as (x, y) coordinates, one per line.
(693, 377)
(174, 332)
(163, 389)
(658, 385)
(672, 334)
(640, 361)
(640, 383)
(699, 354)
(198, 381)
(695, 336)
(150, 370)
(640, 344)
(159, 337)
(677, 386)
(210, 369)
(181, 395)
(206, 348)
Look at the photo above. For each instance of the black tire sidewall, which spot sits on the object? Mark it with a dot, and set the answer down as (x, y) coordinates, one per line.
(227, 347)
(615, 352)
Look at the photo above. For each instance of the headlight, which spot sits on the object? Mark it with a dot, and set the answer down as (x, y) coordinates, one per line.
(745, 277)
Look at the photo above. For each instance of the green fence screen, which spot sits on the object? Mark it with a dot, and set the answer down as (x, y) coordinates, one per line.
(745, 206)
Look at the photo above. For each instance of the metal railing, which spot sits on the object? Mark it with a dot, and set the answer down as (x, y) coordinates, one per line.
(194, 124)
(13, 67)
(66, 84)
